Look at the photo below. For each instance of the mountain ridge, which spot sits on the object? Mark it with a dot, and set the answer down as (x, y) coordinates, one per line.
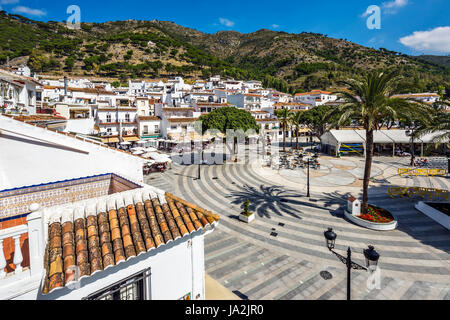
(138, 49)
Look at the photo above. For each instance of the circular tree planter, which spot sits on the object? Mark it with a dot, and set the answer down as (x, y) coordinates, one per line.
(374, 221)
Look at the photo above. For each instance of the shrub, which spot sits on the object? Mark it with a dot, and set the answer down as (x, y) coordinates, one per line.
(246, 206)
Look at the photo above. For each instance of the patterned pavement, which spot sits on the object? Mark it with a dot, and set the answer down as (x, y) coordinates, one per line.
(282, 253)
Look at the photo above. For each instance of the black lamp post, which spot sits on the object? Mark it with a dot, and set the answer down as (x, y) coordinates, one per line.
(410, 133)
(370, 254)
(200, 161)
(307, 183)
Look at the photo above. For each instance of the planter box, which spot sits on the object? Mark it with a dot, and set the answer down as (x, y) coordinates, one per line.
(246, 219)
(434, 214)
(371, 225)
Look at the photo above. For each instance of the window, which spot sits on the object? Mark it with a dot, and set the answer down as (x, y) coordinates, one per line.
(108, 118)
(132, 288)
(30, 97)
(127, 117)
(145, 129)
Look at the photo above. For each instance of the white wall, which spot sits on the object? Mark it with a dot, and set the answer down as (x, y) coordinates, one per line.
(83, 126)
(25, 160)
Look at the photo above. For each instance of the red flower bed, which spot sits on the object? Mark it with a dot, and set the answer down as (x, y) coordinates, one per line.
(377, 215)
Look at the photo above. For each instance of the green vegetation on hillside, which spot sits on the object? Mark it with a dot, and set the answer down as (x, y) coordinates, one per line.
(144, 49)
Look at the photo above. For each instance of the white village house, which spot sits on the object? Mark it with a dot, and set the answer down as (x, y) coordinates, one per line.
(17, 93)
(77, 222)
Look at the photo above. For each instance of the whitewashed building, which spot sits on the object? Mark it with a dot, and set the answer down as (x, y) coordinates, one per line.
(426, 97)
(315, 97)
(17, 93)
(82, 225)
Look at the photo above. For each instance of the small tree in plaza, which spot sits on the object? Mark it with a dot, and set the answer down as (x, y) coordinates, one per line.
(369, 101)
(246, 207)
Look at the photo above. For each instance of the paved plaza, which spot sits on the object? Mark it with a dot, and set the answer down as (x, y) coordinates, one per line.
(282, 254)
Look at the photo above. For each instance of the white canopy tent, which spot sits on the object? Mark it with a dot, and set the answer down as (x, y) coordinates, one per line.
(333, 139)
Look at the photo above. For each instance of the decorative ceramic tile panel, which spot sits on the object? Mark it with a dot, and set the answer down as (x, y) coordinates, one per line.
(16, 202)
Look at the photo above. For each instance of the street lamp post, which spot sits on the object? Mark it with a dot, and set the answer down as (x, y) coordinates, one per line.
(307, 183)
(410, 133)
(370, 254)
(200, 162)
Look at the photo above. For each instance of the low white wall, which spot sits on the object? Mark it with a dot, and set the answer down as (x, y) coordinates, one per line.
(434, 214)
(32, 155)
(371, 225)
(83, 126)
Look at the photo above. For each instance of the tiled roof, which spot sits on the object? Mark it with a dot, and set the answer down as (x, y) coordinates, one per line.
(213, 104)
(99, 235)
(314, 92)
(282, 104)
(416, 95)
(267, 120)
(37, 117)
(149, 118)
(252, 95)
(178, 109)
(182, 120)
(84, 90)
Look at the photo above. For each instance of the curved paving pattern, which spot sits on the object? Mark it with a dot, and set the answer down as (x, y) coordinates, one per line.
(334, 172)
(254, 264)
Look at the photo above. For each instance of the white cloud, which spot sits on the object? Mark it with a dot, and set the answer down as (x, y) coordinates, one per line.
(392, 6)
(275, 26)
(9, 1)
(29, 11)
(226, 22)
(433, 41)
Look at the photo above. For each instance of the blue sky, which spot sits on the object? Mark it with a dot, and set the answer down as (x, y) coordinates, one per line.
(409, 26)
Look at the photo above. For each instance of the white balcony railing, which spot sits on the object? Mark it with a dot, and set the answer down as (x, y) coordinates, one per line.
(15, 233)
(34, 229)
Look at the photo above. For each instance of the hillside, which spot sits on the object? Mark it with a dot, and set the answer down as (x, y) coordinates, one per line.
(137, 49)
(442, 60)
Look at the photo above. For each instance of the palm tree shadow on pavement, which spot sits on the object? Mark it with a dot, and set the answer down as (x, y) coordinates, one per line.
(269, 201)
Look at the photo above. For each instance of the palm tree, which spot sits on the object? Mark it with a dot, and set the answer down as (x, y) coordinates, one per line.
(284, 120)
(370, 102)
(439, 123)
(296, 120)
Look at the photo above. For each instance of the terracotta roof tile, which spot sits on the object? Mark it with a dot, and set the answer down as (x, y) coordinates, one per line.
(102, 234)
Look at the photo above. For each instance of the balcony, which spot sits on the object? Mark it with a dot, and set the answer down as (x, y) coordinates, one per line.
(22, 243)
(151, 133)
(107, 122)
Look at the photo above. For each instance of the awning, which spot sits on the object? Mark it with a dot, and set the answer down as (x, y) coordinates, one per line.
(110, 140)
(130, 139)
